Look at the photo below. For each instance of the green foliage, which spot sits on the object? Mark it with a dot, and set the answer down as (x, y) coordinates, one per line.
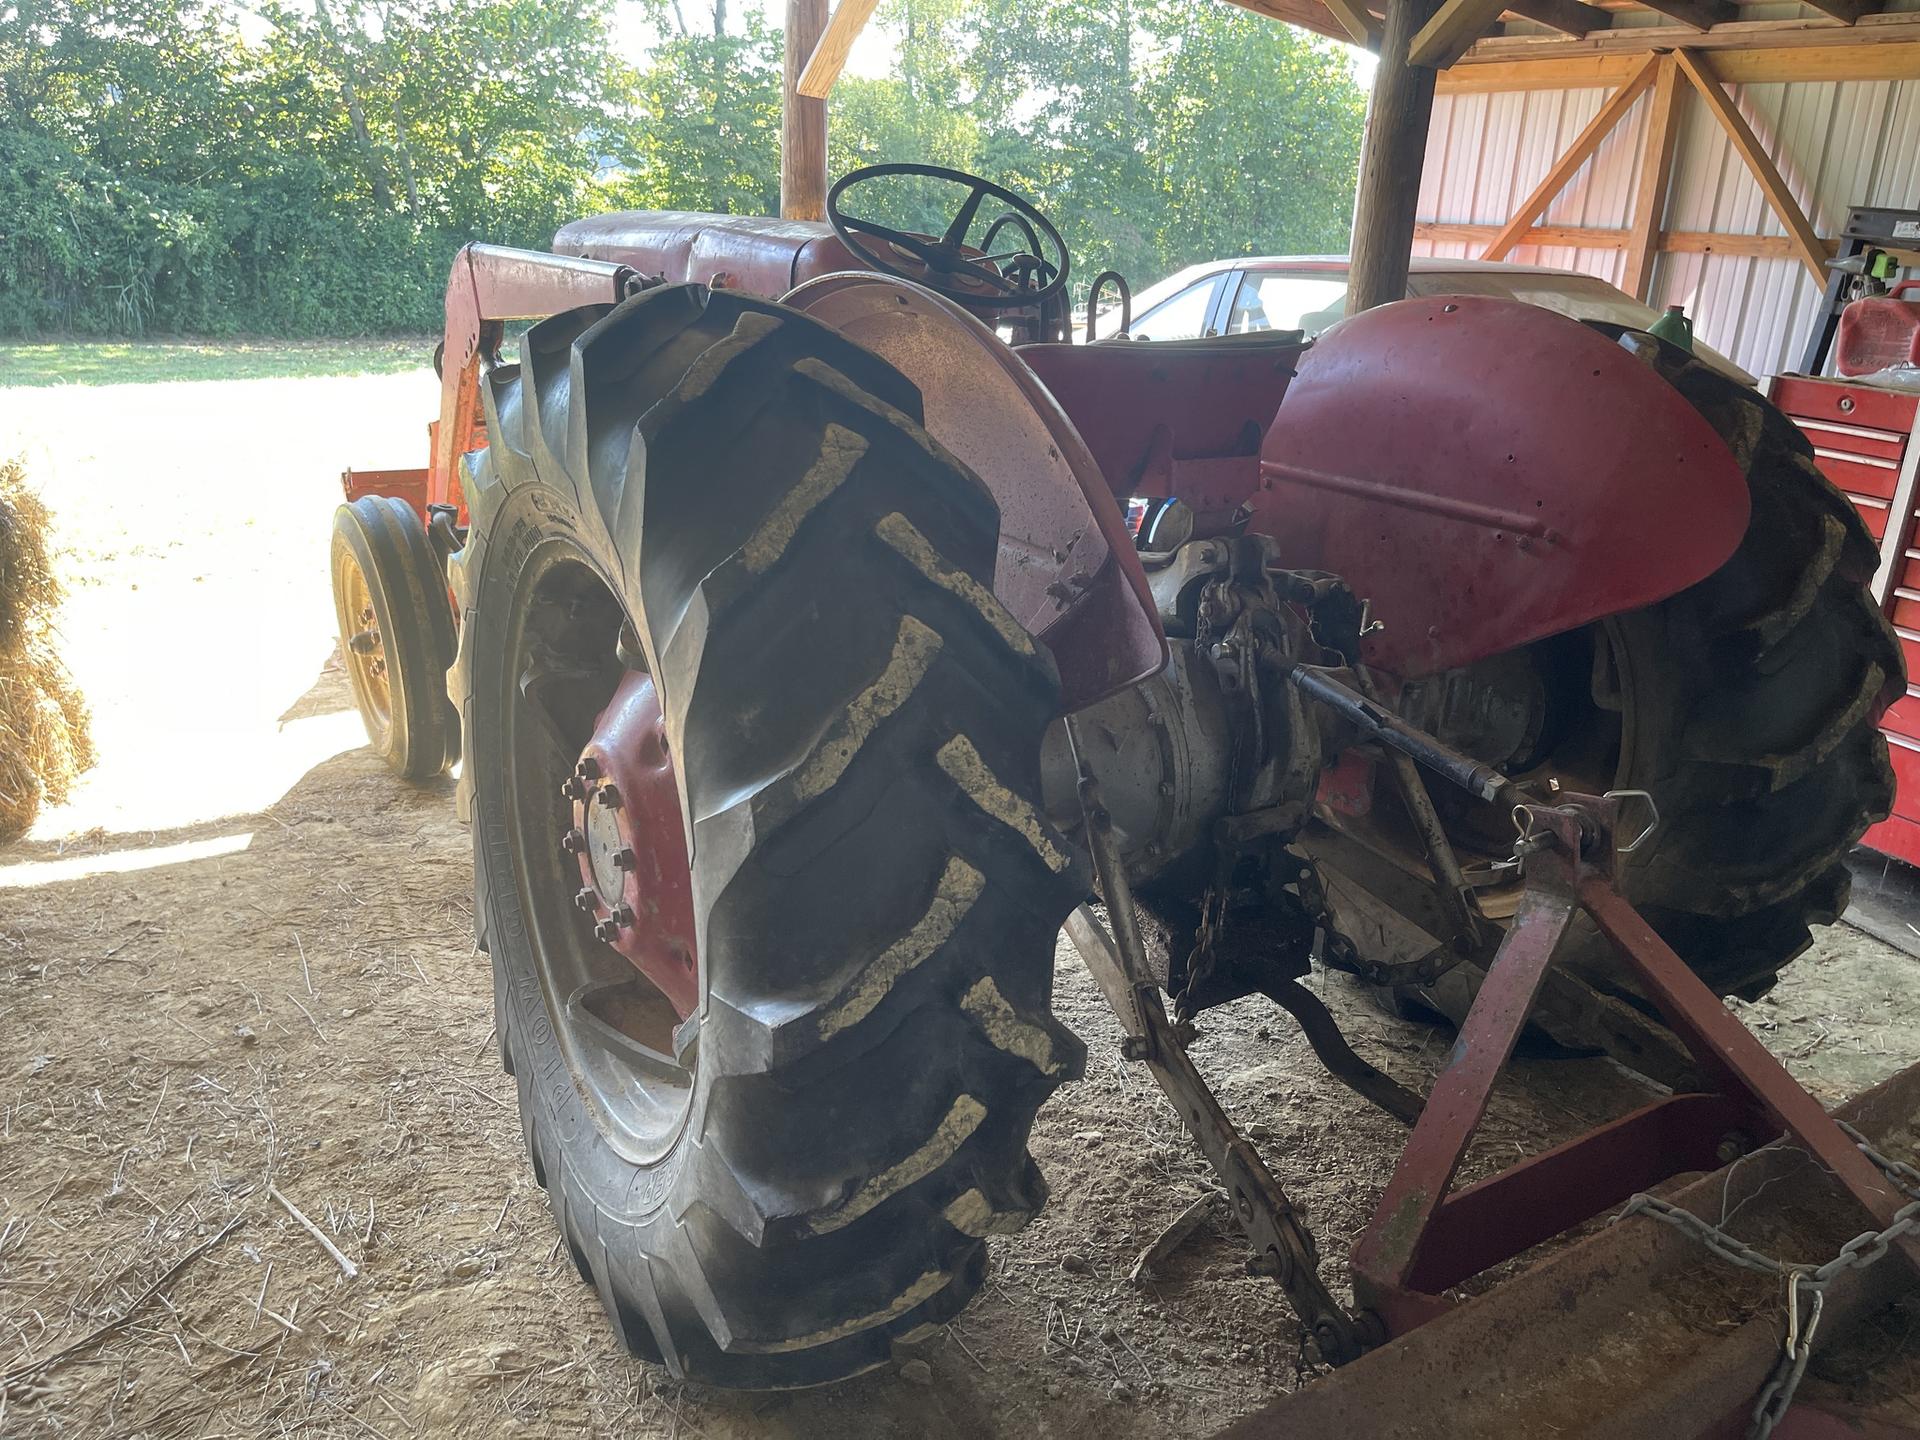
(707, 126)
(160, 172)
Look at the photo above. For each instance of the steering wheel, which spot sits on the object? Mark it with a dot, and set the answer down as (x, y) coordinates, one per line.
(944, 265)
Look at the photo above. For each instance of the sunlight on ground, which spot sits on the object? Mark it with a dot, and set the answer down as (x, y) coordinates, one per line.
(172, 781)
(192, 526)
(119, 862)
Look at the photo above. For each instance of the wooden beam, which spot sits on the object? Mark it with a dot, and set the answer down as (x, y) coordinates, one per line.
(1656, 168)
(1454, 26)
(803, 120)
(1759, 247)
(1576, 237)
(1307, 14)
(1587, 237)
(1361, 27)
(1845, 11)
(1570, 17)
(1562, 72)
(1799, 229)
(1696, 15)
(1391, 158)
(1878, 47)
(1577, 155)
(829, 55)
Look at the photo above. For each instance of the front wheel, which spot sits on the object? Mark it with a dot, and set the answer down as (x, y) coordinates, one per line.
(753, 778)
(396, 634)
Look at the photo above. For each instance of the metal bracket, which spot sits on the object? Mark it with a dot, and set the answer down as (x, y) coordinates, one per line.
(1283, 1247)
(1423, 1240)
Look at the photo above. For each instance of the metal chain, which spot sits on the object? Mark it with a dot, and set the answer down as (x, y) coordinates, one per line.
(1806, 1283)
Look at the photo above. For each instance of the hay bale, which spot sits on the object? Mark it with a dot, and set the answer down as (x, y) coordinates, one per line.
(45, 744)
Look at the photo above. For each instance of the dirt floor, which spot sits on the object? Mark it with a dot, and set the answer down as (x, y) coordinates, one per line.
(237, 987)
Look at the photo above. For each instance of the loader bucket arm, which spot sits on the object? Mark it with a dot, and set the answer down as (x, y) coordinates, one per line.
(487, 286)
(1487, 474)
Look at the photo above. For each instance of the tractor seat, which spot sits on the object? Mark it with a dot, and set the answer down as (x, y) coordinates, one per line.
(733, 252)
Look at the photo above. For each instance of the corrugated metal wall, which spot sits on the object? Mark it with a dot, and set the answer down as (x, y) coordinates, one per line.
(1838, 144)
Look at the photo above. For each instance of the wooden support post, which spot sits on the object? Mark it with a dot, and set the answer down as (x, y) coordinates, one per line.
(1391, 160)
(1650, 195)
(1577, 155)
(803, 121)
(1806, 241)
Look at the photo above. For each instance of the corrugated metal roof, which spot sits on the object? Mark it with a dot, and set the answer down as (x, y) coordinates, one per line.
(1838, 144)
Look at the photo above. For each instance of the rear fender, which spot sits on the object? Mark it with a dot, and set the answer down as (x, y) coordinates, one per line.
(1067, 568)
(1487, 473)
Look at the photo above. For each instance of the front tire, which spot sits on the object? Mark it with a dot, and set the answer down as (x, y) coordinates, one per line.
(396, 634)
(856, 727)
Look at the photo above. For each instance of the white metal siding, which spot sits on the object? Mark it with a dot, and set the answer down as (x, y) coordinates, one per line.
(1838, 144)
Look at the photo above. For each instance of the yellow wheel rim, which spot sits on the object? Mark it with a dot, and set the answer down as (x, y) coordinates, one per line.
(365, 647)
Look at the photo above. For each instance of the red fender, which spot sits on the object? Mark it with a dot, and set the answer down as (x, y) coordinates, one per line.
(1487, 474)
(1067, 568)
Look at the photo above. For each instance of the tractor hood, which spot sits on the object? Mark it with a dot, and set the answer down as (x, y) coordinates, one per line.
(728, 252)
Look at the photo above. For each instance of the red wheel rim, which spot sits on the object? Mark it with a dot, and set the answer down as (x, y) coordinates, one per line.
(628, 835)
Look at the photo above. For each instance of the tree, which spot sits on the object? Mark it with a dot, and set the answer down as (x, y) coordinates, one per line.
(158, 169)
(705, 128)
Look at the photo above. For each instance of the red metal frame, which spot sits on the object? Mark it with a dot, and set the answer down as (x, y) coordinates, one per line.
(412, 486)
(489, 285)
(1866, 440)
(626, 775)
(1422, 1241)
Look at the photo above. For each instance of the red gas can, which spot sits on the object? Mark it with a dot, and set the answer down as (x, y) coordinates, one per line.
(1879, 332)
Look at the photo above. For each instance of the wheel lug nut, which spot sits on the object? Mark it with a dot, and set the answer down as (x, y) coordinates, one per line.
(609, 797)
(606, 931)
(588, 768)
(573, 788)
(622, 859)
(622, 915)
(574, 841)
(585, 901)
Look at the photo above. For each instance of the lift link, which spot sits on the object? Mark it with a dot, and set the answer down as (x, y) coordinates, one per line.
(1282, 1245)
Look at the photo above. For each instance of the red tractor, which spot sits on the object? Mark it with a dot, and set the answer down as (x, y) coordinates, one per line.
(823, 619)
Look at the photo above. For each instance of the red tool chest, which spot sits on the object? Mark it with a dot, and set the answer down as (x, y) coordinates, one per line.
(1867, 442)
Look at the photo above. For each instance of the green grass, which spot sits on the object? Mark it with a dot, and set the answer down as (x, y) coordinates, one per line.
(147, 362)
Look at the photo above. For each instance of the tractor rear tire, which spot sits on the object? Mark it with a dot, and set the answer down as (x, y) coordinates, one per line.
(856, 725)
(1753, 702)
(1749, 706)
(396, 634)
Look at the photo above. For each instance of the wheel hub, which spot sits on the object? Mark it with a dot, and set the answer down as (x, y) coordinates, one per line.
(628, 837)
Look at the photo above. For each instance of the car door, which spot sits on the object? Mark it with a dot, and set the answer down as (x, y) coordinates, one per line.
(1187, 314)
(1274, 299)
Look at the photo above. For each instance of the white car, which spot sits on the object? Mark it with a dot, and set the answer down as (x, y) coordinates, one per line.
(1309, 292)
